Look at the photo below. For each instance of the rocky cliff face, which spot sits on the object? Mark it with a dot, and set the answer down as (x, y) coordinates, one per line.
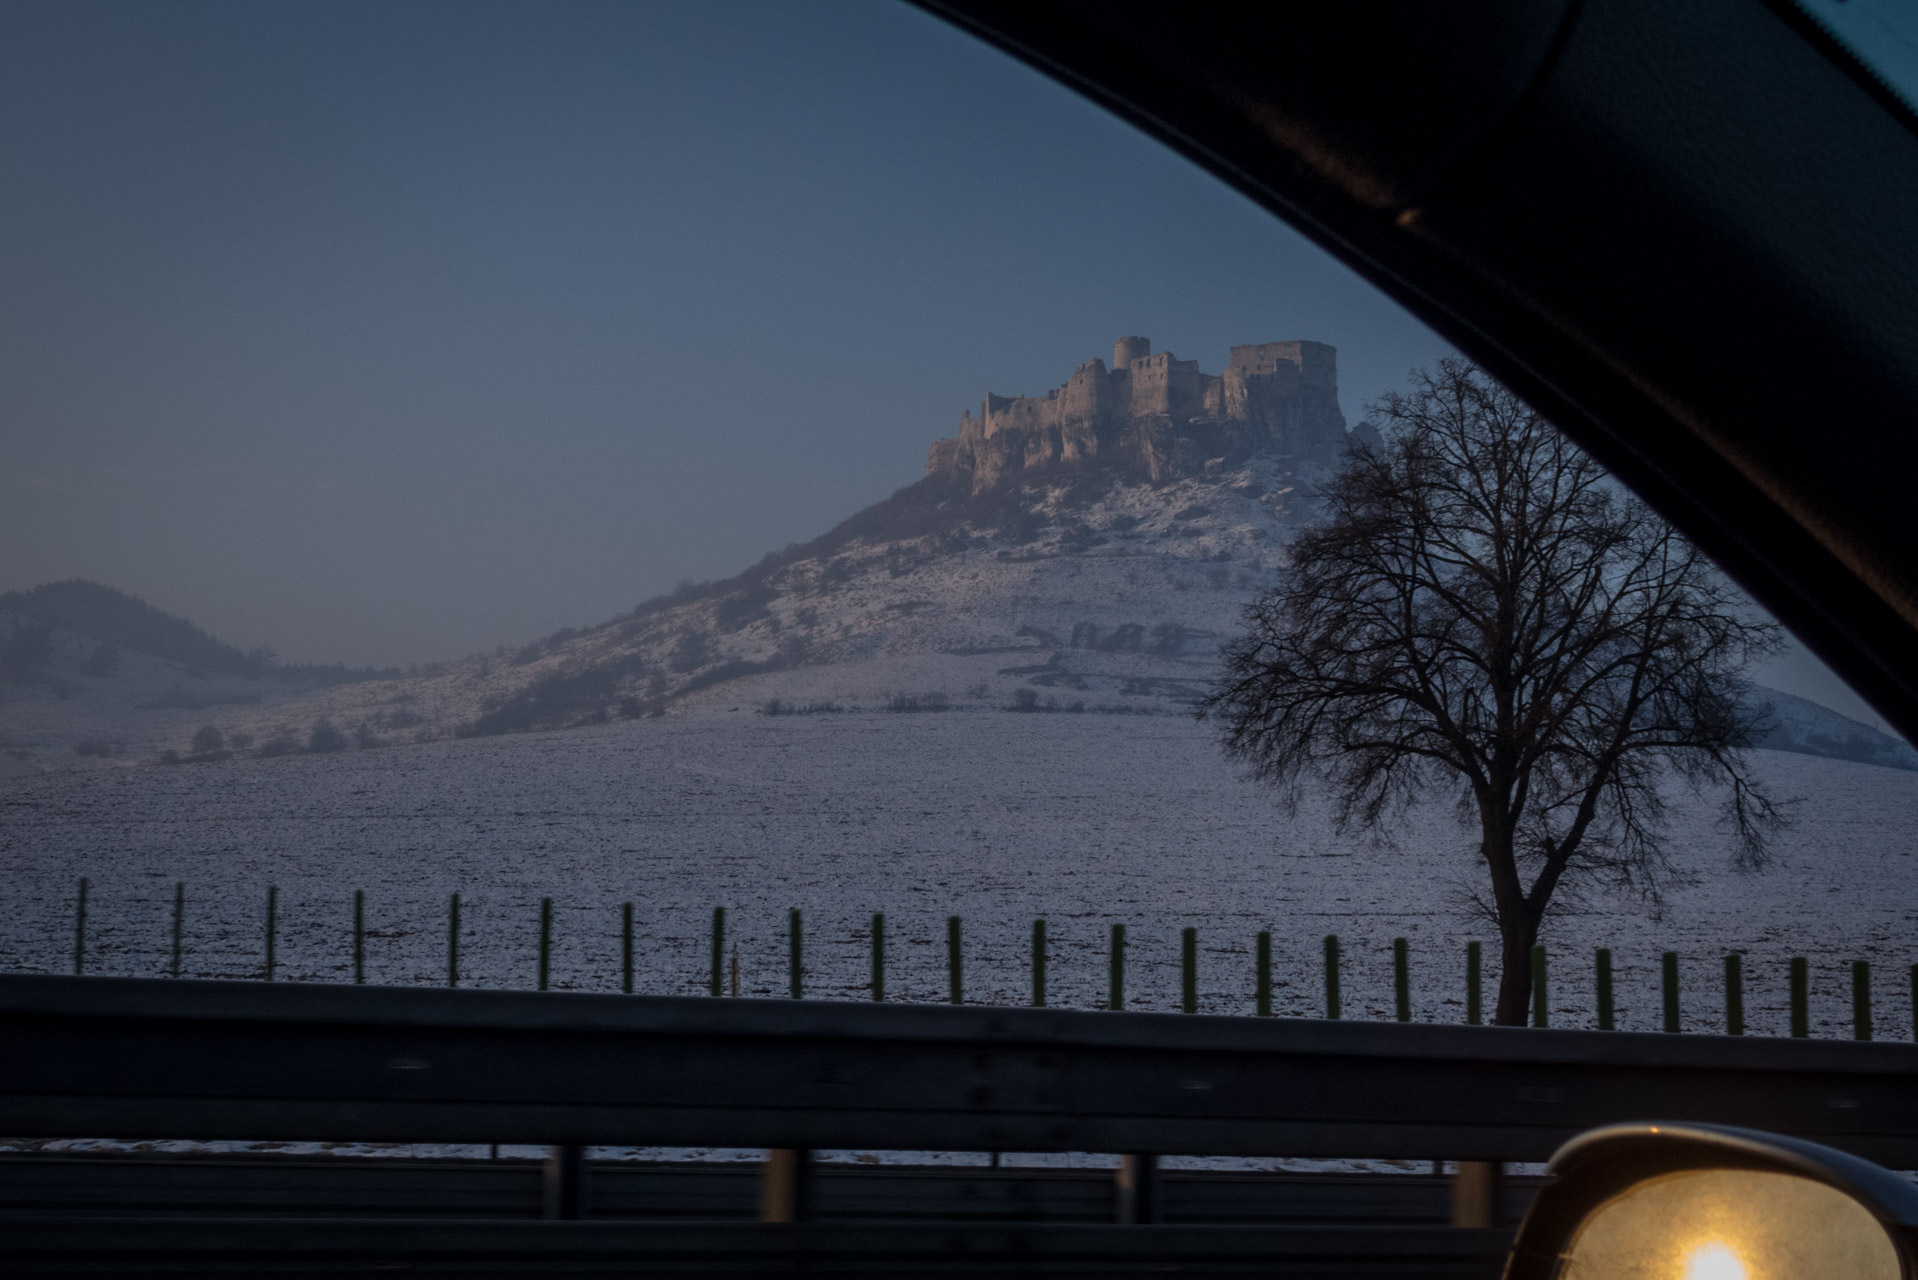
(1156, 417)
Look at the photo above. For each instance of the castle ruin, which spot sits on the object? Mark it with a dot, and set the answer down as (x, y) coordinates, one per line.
(1157, 414)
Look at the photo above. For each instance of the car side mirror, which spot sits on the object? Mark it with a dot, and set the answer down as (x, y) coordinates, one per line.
(1702, 1202)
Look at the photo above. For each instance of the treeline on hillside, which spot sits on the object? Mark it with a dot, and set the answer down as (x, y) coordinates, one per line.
(127, 622)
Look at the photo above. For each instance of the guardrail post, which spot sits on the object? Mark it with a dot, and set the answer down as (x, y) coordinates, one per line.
(1331, 975)
(878, 955)
(785, 1185)
(1800, 998)
(795, 954)
(1115, 976)
(359, 937)
(626, 947)
(716, 978)
(1262, 997)
(1189, 970)
(1541, 1007)
(1475, 1193)
(1861, 999)
(546, 944)
(1734, 995)
(1669, 966)
(1602, 962)
(453, 942)
(179, 924)
(955, 971)
(1402, 979)
(1137, 1187)
(1039, 963)
(80, 929)
(564, 1184)
(1474, 984)
(272, 927)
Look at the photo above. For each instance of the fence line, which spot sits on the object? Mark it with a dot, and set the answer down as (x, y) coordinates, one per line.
(1733, 987)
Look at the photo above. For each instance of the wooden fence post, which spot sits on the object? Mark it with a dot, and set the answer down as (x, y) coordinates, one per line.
(1734, 995)
(878, 955)
(1669, 966)
(1602, 962)
(1800, 998)
(272, 927)
(359, 937)
(1402, 979)
(1331, 975)
(1474, 985)
(626, 947)
(453, 942)
(1189, 970)
(1039, 963)
(715, 982)
(545, 943)
(1262, 996)
(1861, 999)
(1541, 1007)
(795, 954)
(1115, 975)
(955, 969)
(179, 925)
(80, 929)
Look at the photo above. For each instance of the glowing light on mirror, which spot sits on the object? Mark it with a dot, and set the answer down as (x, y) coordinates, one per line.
(1730, 1224)
(1714, 1262)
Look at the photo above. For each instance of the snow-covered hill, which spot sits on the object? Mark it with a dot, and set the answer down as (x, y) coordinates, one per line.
(1801, 725)
(1080, 590)
(1091, 590)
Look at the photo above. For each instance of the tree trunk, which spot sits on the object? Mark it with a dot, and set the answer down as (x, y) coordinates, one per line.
(1515, 973)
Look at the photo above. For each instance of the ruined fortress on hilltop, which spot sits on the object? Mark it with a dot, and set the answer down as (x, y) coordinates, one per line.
(1157, 415)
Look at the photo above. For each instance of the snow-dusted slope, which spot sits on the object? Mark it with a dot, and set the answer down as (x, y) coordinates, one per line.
(74, 712)
(1091, 590)
(1801, 725)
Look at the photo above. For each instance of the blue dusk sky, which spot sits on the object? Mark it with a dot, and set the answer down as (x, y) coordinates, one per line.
(387, 332)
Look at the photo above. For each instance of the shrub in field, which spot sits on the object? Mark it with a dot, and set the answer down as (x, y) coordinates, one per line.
(325, 737)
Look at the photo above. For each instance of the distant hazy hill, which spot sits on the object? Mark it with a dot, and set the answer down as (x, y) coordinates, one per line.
(116, 618)
(127, 622)
(1800, 725)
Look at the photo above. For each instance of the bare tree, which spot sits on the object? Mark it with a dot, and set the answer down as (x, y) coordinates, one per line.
(1483, 616)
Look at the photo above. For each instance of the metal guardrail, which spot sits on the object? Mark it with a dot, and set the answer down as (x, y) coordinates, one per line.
(138, 1058)
(817, 1249)
(45, 1185)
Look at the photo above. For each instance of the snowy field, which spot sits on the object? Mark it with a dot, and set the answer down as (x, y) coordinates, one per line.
(1087, 820)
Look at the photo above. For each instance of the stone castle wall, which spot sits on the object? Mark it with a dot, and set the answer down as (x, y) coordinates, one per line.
(1156, 413)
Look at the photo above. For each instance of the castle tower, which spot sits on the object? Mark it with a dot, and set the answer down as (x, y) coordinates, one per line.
(1126, 350)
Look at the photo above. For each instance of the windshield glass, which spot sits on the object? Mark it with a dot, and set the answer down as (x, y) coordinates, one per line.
(1881, 34)
(751, 500)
